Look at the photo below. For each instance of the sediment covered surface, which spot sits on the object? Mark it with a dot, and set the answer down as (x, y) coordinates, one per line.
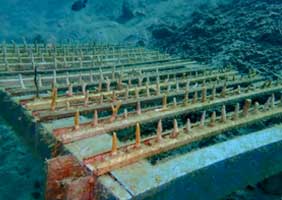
(21, 172)
(245, 33)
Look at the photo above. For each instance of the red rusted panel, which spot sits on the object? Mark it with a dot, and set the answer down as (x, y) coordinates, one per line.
(80, 189)
(58, 170)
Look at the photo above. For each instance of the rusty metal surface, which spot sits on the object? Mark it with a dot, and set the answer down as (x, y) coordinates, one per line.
(89, 94)
(90, 74)
(68, 134)
(106, 162)
(46, 115)
(60, 56)
(43, 103)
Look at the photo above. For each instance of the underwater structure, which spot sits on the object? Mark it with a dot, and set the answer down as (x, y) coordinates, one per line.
(125, 122)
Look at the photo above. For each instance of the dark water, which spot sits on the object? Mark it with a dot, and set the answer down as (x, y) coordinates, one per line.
(21, 172)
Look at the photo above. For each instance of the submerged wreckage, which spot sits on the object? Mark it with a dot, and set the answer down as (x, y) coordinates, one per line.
(123, 122)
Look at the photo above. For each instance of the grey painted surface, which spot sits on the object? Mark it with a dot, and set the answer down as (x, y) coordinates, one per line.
(90, 146)
(208, 173)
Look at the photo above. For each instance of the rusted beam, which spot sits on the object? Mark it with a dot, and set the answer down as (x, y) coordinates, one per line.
(94, 74)
(83, 56)
(93, 66)
(150, 73)
(55, 63)
(103, 163)
(108, 67)
(68, 134)
(61, 102)
(81, 61)
(24, 48)
(46, 115)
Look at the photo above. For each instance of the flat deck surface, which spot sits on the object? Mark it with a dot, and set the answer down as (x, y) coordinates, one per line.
(143, 178)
